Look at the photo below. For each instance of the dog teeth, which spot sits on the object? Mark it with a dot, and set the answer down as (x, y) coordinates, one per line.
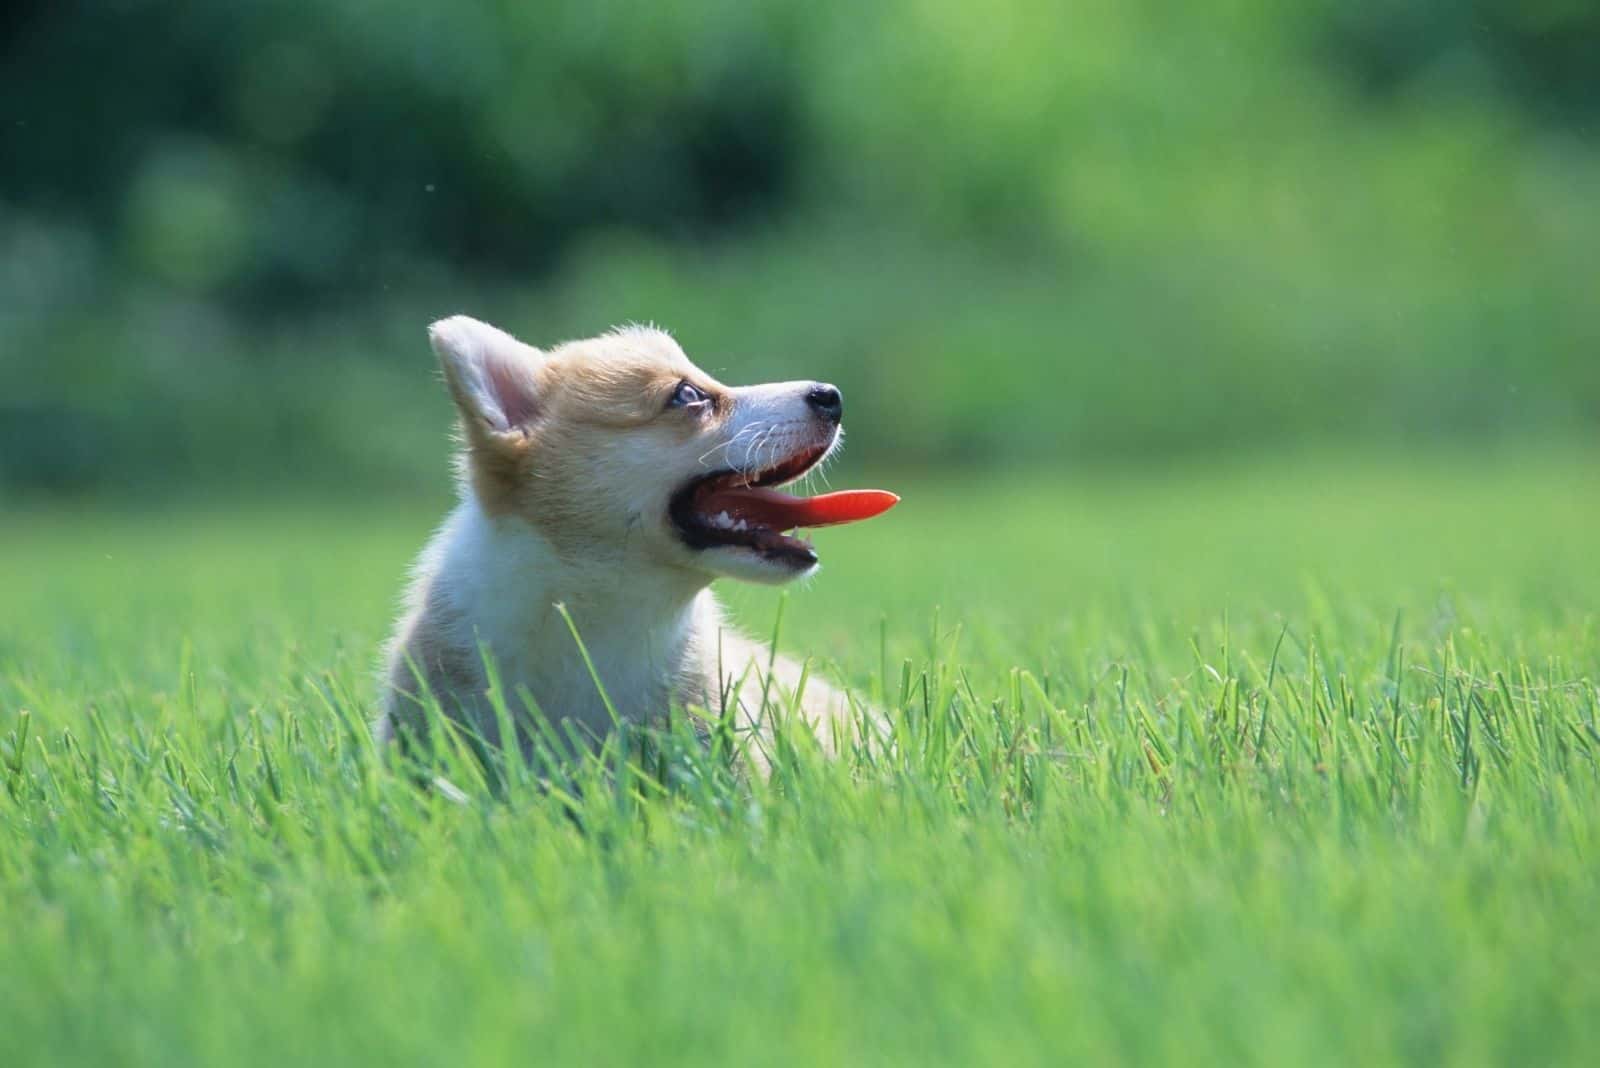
(724, 521)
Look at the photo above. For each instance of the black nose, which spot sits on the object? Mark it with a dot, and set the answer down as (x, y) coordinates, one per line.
(826, 400)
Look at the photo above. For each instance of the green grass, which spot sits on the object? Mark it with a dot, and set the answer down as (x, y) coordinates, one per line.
(1292, 762)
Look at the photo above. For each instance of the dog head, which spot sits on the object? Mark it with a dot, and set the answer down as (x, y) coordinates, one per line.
(618, 446)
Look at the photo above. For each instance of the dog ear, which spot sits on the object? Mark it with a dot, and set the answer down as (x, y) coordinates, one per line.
(493, 377)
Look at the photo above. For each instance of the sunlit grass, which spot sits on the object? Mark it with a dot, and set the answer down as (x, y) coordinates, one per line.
(1285, 763)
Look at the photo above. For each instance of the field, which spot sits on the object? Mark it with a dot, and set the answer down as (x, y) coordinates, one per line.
(1290, 761)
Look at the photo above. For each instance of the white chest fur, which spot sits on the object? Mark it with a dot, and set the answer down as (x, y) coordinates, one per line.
(492, 585)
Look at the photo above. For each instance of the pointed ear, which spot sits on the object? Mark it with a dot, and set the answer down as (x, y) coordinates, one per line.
(492, 376)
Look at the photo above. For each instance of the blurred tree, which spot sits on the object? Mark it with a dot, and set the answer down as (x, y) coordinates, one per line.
(271, 150)
(1543, 53)
(1108, 228)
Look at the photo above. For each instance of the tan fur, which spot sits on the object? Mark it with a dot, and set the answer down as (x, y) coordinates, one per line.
(595, 396)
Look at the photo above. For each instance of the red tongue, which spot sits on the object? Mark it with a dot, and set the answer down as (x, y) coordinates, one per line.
(780, 511)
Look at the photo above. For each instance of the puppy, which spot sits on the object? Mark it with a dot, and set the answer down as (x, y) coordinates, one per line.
(614, 479)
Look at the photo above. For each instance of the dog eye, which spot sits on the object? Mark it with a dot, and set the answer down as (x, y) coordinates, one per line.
(688, 395)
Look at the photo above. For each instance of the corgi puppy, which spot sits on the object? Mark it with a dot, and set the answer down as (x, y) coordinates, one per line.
(614, 480)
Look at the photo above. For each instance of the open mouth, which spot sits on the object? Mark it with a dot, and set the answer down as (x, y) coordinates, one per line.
(745, 511)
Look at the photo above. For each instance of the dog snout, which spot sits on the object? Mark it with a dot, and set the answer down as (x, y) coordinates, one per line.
(826, 401)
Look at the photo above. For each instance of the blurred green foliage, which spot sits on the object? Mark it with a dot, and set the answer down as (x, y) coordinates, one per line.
(1022, 230)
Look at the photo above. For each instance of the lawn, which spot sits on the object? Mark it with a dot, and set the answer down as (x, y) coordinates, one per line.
(1290, 761)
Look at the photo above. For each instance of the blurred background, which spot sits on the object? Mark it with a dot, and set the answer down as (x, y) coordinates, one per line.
(1024, 233)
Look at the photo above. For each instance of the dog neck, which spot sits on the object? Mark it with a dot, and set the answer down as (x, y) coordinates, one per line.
(503, 586)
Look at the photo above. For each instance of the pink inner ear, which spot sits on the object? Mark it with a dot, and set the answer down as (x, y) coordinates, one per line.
(513, 389)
